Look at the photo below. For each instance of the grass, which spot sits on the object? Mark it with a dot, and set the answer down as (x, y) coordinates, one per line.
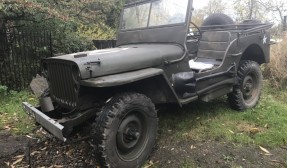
(12, 117)
(264, 125)
(188, 164)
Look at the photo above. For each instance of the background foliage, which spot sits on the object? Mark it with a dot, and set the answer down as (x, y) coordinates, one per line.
(276, 70)
(74, 23)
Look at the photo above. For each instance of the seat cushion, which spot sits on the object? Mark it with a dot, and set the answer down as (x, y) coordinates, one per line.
(209, 61)
(200, 65)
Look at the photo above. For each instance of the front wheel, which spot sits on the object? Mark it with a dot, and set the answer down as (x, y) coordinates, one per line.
(247, 93)
(125, 131)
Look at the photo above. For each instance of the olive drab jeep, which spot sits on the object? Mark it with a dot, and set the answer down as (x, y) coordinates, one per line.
(161, 57)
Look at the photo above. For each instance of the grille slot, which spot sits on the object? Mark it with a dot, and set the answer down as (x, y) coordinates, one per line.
(63, 87)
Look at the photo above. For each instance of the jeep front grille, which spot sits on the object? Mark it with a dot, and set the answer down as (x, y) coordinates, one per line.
(63, 86)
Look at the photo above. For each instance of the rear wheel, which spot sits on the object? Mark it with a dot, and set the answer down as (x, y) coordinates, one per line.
(126, 131)
(247, 93)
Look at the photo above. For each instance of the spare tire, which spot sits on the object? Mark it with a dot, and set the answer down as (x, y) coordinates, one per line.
(217, 19)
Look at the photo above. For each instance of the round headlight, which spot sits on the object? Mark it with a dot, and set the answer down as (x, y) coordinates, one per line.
(76, 73)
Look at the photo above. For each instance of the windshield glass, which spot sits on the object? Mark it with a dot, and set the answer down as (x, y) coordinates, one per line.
(157, 13)
(136, 17)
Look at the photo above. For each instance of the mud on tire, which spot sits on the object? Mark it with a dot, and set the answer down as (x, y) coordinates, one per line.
(125, 131)
(247, 93)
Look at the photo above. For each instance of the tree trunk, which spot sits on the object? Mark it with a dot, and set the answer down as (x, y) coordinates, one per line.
(285, 23)
(3, 41)
(251, 7)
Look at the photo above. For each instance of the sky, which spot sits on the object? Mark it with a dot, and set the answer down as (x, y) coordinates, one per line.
(198, 4)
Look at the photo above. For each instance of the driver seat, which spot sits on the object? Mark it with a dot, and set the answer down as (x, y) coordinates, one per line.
(211, 50)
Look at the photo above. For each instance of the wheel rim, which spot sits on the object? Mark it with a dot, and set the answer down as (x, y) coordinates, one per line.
(132, 135)
(250, 88)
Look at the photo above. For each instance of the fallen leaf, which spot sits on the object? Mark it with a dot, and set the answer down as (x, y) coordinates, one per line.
(43, 149)
(7, 163)
(69, 153)
(43, 131)
(264, 150)
(35, 152)
(19, 156)
(254, 130)
(7, 127)
(150, 164)
(192, 147)
(17, 161)
(231, 131)
(31, 99)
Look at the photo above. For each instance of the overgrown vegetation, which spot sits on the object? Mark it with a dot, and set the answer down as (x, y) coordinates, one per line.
(276, 70)
(31, 30)
(74, 24)
(12, 117)
(265, 125)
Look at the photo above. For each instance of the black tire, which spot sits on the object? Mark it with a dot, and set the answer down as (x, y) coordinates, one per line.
(248, 91)
(217, 19)
(125, 131)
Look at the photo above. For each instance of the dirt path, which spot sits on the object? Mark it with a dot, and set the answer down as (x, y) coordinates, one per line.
(215, 154)
(169, 153)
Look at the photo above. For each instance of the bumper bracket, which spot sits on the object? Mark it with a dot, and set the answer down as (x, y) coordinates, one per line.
(48, 123)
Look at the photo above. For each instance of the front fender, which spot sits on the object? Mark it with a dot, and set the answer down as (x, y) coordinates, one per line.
(153, 80)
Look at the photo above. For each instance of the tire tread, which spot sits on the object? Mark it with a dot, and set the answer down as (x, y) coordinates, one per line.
(110, 111)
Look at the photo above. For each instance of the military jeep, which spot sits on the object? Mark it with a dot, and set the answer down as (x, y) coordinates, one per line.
(161, 57)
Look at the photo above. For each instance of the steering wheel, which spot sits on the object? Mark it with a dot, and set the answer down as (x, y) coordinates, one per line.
(191, 35)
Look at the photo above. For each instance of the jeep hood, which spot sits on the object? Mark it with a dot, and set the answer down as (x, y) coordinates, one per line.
(121, 59)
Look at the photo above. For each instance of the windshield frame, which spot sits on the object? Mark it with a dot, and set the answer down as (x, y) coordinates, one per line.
(148, 22)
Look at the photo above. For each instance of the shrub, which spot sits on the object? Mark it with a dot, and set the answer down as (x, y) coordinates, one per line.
(276, 70)
(3, 90)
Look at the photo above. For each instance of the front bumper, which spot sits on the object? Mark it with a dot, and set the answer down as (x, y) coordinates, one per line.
(48, 123)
